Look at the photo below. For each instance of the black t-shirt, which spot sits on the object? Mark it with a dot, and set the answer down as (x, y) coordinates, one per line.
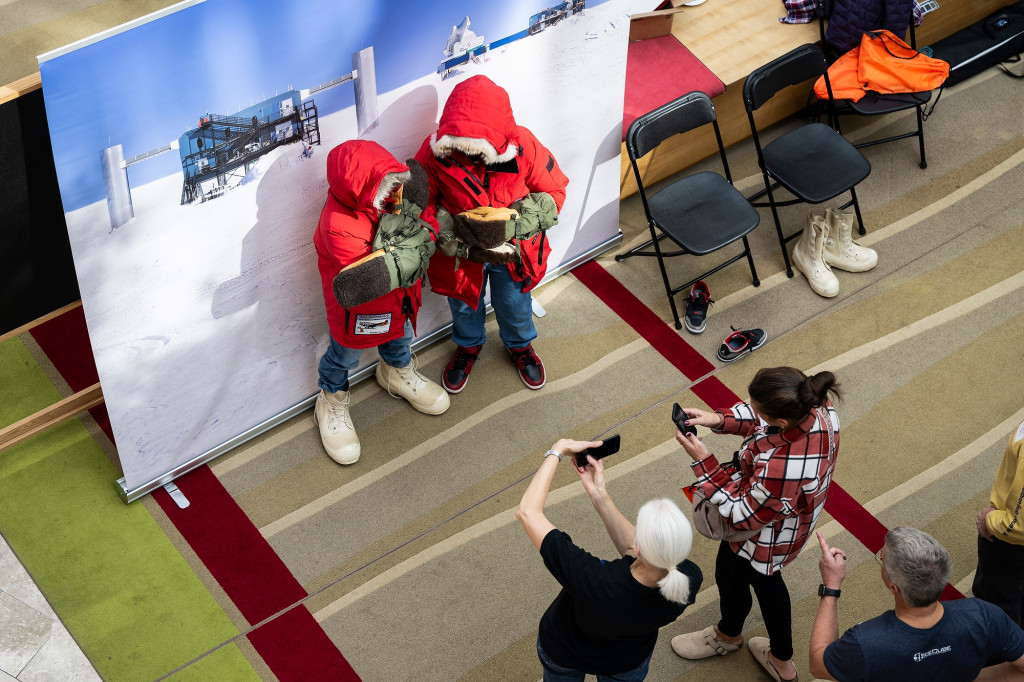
(970, 635)
(603, 621)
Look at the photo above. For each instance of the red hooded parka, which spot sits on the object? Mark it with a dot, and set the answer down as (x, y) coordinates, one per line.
(344, 234)
(478, 110)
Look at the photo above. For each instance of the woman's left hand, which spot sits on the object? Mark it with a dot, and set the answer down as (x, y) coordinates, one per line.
(694, 446)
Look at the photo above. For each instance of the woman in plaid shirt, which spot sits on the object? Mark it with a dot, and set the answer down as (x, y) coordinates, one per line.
(785, 467)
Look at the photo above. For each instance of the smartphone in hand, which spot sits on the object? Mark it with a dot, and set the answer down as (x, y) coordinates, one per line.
(609, 446)
(679, 417)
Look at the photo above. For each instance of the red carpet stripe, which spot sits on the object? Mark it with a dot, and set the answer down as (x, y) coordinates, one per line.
(850, 513)
(65, 341)
(255, 578)
(298, 650)
(641, 318)
(294, 645)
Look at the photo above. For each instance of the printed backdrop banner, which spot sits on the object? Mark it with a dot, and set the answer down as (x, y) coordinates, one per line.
(190, 150)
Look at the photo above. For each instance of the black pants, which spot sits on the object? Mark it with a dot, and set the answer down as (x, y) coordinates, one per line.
(1000, 576)
(735, 576)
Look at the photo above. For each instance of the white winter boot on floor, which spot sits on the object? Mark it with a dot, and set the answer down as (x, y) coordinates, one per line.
(840, 249)
(808, 257)
(406, 382)
(336, 430)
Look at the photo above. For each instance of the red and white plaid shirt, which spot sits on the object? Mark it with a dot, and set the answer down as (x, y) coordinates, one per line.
(781, 486)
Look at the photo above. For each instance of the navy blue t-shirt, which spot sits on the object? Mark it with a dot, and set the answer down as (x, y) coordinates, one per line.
(970, 634)
(603, 621)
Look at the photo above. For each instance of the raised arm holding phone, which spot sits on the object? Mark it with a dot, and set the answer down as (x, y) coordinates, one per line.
(606, 618)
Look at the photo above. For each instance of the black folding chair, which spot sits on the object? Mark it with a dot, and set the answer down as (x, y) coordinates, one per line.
(813, 162)
(873, 103)
(701, 212)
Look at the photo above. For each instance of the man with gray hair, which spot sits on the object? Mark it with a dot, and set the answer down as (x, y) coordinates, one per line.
(921, 638)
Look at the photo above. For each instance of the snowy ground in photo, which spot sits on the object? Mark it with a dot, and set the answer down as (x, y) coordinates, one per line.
(207, 319)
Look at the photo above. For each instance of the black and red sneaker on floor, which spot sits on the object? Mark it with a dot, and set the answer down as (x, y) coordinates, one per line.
(697, 303)
(531, 369)
(456, 373)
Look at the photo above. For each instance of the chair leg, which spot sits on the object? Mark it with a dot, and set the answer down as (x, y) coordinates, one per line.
(920, 135)
(637, 249)
(664, 279)
(778, 228)
(750, 262)
(856, 209)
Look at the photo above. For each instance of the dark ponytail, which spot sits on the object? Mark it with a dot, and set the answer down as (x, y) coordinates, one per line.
(787, 393)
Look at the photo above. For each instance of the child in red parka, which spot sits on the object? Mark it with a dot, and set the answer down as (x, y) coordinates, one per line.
(478, 157)
(363, 179)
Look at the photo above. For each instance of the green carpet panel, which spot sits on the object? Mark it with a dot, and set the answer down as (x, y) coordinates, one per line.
(125, 593)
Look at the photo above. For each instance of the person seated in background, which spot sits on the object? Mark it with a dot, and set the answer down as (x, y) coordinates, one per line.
(921, 638)
(605, 620)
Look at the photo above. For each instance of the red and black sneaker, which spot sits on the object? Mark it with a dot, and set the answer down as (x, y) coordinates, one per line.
(697, 303)
(456, 372)
(531, 369)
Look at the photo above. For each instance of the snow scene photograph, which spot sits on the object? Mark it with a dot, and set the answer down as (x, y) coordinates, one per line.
(191, 151)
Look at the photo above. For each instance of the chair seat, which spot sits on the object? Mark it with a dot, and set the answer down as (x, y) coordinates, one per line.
(702, 212)
(815, 163)
(873, 104)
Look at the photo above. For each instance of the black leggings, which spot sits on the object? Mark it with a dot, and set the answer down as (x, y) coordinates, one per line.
(735, 576)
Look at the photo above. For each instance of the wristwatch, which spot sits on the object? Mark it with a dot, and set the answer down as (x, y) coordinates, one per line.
(556, 453)
(828, 591)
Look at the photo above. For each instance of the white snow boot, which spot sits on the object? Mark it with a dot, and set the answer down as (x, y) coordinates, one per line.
(808, 259)
(405, 382)
(840, 249)
(336, 430)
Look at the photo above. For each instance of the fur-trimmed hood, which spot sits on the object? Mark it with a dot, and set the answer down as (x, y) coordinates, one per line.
(477, 121)
(361, 174)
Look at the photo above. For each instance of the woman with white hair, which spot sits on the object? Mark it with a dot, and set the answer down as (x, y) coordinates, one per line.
(605, 620)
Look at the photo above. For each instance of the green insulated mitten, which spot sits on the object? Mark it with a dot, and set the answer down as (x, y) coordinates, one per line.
(537, 212)
(401, 252)
(447, 243)
(485, 227)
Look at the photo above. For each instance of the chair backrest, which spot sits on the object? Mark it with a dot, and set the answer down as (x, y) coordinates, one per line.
(796, 66)
(681, 115)
(678, 116)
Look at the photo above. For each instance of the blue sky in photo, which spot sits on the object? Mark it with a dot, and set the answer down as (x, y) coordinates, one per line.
(146, 86)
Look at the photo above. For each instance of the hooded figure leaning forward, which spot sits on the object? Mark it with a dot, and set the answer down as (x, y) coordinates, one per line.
(372, 251)
(494, 191)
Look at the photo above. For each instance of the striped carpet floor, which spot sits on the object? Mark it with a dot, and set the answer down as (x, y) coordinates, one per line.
(410, 565)
(412, 559)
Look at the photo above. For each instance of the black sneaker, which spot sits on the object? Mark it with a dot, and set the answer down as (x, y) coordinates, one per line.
(456, 373)
(696, 317)
(739, 343)
(531, 369)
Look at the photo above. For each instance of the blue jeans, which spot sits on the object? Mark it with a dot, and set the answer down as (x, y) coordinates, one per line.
(338, 361)
(556, 673)
(513, 309)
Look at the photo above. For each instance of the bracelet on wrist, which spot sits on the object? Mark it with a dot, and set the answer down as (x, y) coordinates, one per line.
(554, 453)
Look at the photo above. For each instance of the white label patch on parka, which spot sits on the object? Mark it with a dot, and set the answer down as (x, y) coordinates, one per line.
(372, 324)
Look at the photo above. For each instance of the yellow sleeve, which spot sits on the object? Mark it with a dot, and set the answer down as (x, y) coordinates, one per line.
(1008, 493)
